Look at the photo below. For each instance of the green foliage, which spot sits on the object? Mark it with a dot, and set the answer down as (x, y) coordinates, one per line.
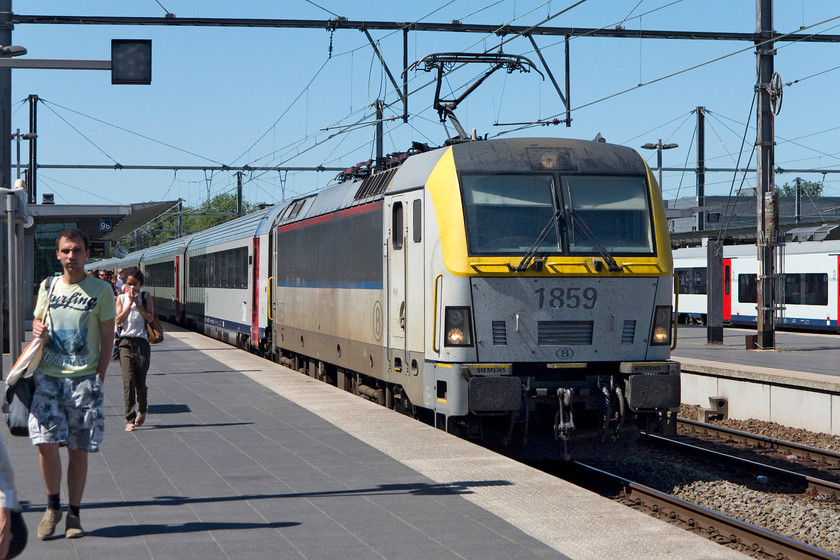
(809, 189)
(211, 213)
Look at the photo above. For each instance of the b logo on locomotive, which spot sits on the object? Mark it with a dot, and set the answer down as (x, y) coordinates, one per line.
(565, 353)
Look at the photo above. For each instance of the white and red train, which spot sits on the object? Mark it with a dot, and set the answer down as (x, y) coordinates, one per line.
(811, 292)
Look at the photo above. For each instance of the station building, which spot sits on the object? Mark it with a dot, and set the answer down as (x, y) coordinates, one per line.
(734, 219)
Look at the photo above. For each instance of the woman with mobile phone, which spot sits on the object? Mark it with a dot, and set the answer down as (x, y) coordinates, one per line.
(134, 308)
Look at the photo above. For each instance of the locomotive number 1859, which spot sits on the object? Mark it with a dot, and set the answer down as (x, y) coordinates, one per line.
(571, 298)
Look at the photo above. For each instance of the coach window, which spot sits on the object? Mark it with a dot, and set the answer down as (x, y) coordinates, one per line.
(397, 226)
(747, 288)
(417, 216)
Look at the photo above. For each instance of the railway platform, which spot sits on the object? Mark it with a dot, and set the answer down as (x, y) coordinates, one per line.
(242, 458)
(801, 352)
(796, 384)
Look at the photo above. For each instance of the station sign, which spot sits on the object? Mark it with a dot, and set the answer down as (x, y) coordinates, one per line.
(105, 225)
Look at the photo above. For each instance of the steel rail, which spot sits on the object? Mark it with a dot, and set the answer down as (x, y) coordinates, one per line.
(813, 484)
(788, 447)
(725, 529)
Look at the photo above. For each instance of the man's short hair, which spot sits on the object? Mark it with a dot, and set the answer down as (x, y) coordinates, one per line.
(73, 233)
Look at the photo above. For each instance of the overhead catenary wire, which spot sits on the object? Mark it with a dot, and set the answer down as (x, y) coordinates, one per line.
(729, 210)
(409, 125)
(80, 133)
(668, 76)
(780, 140)
(432, 81)
(321, 7)
(127, 131)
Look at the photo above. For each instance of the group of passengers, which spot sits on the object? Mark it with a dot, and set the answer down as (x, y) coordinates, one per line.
(117, 280)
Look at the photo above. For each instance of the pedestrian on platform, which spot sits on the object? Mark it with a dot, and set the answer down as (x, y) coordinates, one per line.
(67, 407)
(134, 308)
(120, 280)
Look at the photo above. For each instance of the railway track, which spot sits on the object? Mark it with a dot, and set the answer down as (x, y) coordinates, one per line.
(828, 458)
(721, 528)
(807, 483)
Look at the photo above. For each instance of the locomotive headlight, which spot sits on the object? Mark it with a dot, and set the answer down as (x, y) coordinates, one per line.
(661, 334)
(457, 327)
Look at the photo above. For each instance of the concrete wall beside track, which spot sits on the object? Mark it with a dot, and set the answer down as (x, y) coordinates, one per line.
(804, 400)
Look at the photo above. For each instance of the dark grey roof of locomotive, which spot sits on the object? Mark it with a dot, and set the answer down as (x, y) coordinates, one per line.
(519, 154)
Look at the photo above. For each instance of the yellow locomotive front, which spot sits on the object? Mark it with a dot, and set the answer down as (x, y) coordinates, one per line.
(551, 286)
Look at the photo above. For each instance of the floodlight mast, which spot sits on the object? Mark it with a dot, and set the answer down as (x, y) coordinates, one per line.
(444, 62)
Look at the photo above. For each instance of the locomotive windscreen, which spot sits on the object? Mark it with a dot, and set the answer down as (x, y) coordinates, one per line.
(508, 214)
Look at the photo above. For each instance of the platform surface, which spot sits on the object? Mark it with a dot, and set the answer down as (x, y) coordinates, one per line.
(810, 360)
(242, 458)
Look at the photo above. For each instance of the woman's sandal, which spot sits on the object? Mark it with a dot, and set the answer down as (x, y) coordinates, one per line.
(141, 417)
(129, 427)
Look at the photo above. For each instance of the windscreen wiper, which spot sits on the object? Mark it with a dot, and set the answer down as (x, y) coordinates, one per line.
(612, 266)
(529, 254)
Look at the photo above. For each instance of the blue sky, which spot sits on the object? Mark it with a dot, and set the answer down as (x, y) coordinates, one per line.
(264, 96)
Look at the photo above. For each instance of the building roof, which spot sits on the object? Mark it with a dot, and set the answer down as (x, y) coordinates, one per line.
(108, 222)
(734, 218)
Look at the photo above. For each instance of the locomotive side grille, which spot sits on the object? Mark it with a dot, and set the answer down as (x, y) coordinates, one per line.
(499, 333)
(564, 333)
(375, 184)
(628, 335)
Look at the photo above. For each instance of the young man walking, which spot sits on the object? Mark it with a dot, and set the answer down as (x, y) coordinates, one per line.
(67, 408)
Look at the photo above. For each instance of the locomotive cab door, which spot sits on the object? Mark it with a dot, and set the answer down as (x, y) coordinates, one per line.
(405, 282)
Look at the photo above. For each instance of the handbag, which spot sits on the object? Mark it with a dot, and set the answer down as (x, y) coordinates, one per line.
(20, 384)
(154, 330)
(27, 362)
(16, 403)
(31, 355)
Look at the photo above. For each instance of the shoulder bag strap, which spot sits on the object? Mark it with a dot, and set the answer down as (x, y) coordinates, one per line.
(50, 285)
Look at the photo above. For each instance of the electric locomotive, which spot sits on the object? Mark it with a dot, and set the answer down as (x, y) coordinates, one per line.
(517, 291)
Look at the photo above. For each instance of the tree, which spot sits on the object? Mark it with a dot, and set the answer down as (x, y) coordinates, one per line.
(810, 189)
(218, 210)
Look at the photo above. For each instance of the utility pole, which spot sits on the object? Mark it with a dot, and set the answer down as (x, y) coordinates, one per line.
(33, 149)
(5, 149)
(238, 193)
(701, 168)
(767, 212)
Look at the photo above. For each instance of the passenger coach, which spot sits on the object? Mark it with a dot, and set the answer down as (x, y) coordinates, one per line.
(808, 282)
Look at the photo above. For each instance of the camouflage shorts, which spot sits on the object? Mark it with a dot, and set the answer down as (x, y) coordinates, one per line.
(68, 411)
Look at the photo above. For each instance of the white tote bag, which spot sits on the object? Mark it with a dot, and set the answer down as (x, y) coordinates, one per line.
(31, 355)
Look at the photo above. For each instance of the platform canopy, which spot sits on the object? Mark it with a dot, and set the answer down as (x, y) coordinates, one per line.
(106, 222)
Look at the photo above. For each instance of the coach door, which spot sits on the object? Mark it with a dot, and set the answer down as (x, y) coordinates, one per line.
(727, 289)
(405, 282)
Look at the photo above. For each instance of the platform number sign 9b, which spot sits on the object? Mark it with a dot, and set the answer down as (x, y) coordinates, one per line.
(105, 225)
